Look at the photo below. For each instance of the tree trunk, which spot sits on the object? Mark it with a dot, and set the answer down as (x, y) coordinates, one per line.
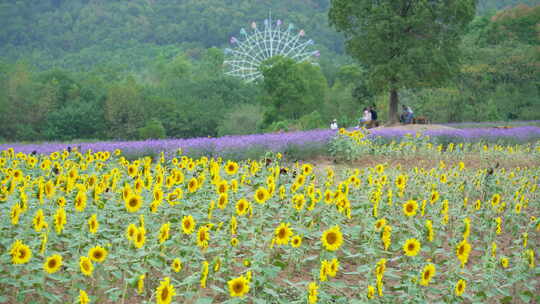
(393, 107)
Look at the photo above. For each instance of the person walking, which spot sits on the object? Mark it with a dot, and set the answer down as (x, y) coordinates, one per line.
(334, 125)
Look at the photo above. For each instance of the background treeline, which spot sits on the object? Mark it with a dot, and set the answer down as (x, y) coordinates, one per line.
(95, 69)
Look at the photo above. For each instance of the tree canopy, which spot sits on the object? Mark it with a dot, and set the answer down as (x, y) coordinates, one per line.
(403, 43)
(79, 69)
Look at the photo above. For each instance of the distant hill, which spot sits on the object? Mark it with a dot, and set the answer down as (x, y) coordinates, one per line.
(72, 33)
(78, 34)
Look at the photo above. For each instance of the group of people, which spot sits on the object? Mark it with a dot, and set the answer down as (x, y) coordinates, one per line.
(407, 115)
(369, 117)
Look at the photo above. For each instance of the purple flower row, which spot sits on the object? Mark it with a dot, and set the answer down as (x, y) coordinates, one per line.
(271, 141)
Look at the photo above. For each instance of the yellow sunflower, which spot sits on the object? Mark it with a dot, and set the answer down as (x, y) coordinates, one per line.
(133, 170)
(379, 224)
(462, 251)
(193, 185)
(60, 220)
(53, 263)
(307, 169)
(222, 187)
(176, 265)
(312, 292)
(460, 287)
(296, 241)
(140, 284)
(223, 201)
(234, 242)
(495, 200)
(242, 206)
(411, 247)
(188, 224)
(83, 297)
(203, 236)
(427, 274)
(332, 238)
(261, 195)
(370, 292)
(97, 254)
(333, 267)
(80, 200)
(504, 262)
(93, 224)
(282, 234)
(410, 207)
(86, 266)
(434, 197)
(165, 291)
(231, 168)
(133, 203)
(131, 231)
(164, 232)
(139, 238)
(20, 253)
(401, 181)
(238, 287)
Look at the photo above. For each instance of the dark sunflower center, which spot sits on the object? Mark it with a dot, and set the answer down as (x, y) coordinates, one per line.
(260, 195)
(427, 274)
(52, 263)
(461, 249)
(98, 255)
(282, 233)
(411, 246)
(86, 266)
(238, 287)
(22, 253)
(409, 208)
(187, 224)
(331, 238)
(164, 294)
(133, 202)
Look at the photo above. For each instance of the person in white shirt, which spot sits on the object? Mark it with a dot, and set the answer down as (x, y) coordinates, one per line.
(366, 118)
(334, 125)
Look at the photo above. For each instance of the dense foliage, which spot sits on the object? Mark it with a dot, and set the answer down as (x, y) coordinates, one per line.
(139, 69)
(412, 44)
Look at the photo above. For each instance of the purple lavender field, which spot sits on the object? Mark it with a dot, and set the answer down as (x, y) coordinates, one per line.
(278, 142)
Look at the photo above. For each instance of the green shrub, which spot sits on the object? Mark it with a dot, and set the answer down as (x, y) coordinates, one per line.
(152, 130)
(244, 119)
(311, 121)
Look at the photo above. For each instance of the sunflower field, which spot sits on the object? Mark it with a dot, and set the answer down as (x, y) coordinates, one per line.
(95, 227)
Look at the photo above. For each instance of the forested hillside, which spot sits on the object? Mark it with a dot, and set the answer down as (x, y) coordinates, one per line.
(80, 33)
(152, 68)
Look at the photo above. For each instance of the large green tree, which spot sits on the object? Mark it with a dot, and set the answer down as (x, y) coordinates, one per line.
(291, 89)
(403, 43)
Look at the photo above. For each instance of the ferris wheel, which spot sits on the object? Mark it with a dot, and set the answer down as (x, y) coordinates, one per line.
(247, 53)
